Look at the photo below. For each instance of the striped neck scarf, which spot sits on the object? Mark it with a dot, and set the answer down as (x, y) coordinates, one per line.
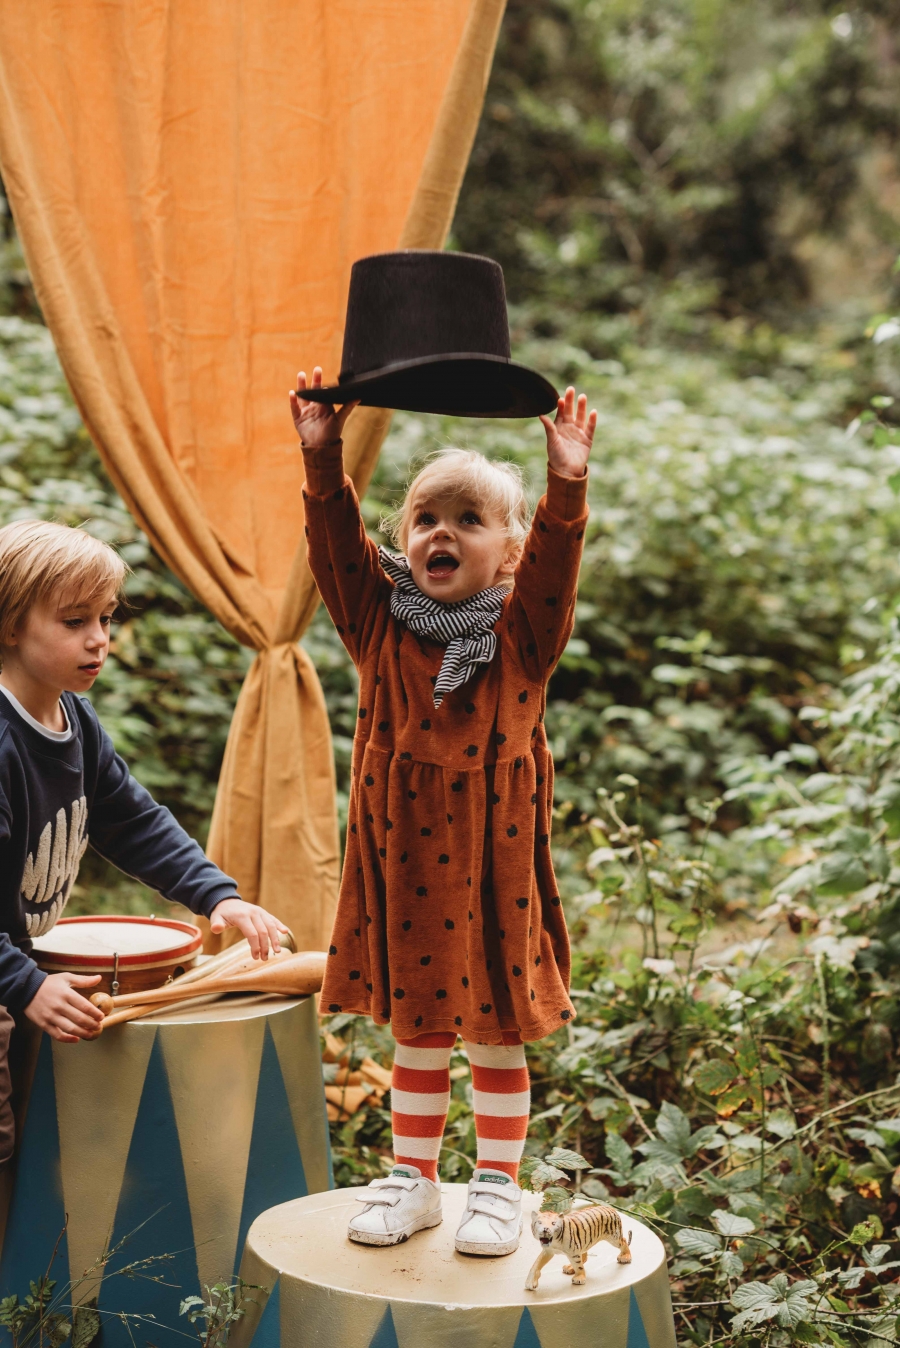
(465, 628)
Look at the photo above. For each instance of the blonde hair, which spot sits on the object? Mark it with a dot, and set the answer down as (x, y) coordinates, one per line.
(40, 560)
(493, 485)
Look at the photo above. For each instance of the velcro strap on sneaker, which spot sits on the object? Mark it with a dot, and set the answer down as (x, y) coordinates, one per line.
(504, 1212)
(508, 1194)
(386, 1191)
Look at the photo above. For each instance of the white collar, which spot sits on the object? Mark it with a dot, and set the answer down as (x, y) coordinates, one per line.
(59, 736)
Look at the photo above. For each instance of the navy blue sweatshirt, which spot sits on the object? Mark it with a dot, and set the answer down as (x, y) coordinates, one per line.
(55, 796)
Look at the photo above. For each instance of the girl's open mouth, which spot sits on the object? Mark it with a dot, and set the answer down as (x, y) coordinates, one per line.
(441, 564)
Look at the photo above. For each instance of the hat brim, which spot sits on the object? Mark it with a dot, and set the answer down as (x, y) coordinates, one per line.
(456, 385)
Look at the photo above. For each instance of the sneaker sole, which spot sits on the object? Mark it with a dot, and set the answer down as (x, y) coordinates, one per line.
(483, 1248)
(396, 1237)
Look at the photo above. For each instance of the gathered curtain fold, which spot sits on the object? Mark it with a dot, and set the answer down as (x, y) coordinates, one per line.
(191, 181)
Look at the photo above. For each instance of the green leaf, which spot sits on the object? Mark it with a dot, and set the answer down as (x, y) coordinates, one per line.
(567, 1160)
(86, 1326)
(556, 1199)
(694, 1240)
(730, 1225)
(674, 1127)
(842, 873)
(619, 1153)
(544, 1174)
(714, 1076)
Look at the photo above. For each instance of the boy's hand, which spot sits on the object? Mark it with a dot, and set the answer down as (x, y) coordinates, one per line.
(570, 436)
(316, 423)
(260, 928)
(63, 1012)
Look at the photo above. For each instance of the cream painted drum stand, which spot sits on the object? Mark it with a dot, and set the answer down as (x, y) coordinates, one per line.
(326, 1292)
(192, 1122)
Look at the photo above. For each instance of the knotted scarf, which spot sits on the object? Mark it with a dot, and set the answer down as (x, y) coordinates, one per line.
(466, 628)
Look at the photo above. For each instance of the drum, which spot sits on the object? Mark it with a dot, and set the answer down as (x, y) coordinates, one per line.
(324, 1290)
(170, 1134)
(129, 953)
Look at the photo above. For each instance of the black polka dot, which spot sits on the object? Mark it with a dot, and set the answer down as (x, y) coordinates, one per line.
(370, 818)
(418, 1021)
(404, 857)
(352, 828)
(517, 763)
(386, 1012)
(521, 903)
(511, 831)
(532, 994)
(355, 974)
(421, 891)
(565, 1014)
(516, 971)
(533, 732)
(550, 601)
(425, 832)
(485, 1008)
(544, 839)
(449, 818)
(443, 859)
(339, 494)
(399, 994)
(555, 901)
(456, 786)
(369, 987)
(335, 1006)
(472, 750)
(502, 934)
(425, 725)
(356, 931)
(368, 919)
(441, 994)
(537, 959)
(471, 916)
(406, 757)
(412, 794)
(426, 959)
(579, 535)
(469, 881)
(534, 798)
(523, 696)
(370, 780)
(389, 823)
(540, 780)
(383, 725)
(340, 629)
(531, 648)
(542, 526)
(362, 713)
(406, 925)
(470, 707)
(495, 799)
(332, 950)
(457, 1020)
(382, 851)
(352, 627)
(499, 739)
(532, 557)
(449, 923)
(377, 680)
(465, 982)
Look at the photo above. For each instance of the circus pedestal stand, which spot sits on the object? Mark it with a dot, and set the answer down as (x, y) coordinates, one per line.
(326, 1292)
(180, 1128)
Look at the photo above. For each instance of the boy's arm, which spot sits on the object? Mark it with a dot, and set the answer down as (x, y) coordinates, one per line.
(542, 606)
(20, 977)
(143, 839)
(343, 559)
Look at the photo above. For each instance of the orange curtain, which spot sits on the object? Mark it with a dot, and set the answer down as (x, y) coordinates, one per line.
(191, 180)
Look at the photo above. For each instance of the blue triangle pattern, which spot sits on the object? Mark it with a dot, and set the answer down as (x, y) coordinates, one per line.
(526, 1334)
(385, 1334)
(153, 1211)
(637, 1334)
(268, 1332)
(274, 1167)
(37, 1214)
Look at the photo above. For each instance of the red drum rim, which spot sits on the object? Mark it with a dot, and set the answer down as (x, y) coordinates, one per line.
(134, 960)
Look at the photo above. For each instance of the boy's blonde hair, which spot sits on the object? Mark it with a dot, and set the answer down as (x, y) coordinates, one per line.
(493, 485)
(40, 560)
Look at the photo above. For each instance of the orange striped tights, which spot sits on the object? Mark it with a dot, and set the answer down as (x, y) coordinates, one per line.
(420, 1098)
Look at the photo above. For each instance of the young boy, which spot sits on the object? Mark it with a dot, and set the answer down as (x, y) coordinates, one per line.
(62, 784)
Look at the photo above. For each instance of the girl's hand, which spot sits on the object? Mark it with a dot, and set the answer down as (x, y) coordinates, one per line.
(570, 436)
(63, 1011)
(261, 929)
(316, 423)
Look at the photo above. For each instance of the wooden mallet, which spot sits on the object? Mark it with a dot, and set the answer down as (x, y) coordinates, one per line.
(288, 975)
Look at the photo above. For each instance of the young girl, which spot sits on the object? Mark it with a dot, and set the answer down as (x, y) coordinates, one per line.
(449, 922)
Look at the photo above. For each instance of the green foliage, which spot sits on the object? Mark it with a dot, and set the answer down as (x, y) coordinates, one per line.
(215, 1314)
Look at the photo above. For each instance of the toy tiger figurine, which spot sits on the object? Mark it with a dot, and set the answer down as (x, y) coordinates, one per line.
(573, 1234)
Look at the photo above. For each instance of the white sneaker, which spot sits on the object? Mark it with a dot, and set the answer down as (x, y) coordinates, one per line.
(492, 1221)
(396, 1207)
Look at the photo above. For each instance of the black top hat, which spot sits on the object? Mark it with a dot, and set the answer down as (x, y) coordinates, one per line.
(428, 332)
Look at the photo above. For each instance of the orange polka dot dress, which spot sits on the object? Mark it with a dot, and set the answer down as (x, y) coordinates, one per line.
(449, 917)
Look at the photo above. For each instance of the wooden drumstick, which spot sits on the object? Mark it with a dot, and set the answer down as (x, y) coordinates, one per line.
(291, 976)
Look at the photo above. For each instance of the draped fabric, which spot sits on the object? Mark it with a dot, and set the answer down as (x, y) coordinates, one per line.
(192, 180)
